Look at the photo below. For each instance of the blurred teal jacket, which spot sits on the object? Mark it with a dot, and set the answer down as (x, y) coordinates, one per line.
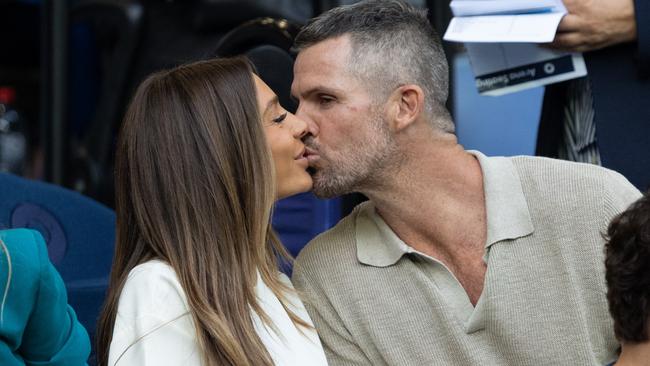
(37, 326)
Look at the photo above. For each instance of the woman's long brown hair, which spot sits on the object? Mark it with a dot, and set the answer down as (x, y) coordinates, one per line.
(195, 188)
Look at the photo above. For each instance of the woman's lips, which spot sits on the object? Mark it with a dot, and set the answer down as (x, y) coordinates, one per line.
(301, 154)
(303, 161)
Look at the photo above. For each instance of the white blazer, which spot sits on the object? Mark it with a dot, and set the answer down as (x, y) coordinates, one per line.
(153, 326)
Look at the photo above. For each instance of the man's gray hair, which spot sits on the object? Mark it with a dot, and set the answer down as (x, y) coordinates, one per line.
(393, 44)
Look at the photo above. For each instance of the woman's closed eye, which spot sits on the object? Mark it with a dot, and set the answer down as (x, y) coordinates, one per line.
(280, 118)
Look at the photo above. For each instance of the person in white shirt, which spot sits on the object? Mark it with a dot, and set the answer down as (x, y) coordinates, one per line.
(204, 152)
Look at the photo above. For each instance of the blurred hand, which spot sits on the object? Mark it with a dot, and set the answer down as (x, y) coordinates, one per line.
(593, 24)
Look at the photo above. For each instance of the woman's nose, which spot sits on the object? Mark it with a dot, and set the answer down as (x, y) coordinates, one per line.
(310, 126)
(299, 127)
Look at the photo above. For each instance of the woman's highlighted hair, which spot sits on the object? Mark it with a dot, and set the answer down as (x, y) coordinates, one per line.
(195, 188)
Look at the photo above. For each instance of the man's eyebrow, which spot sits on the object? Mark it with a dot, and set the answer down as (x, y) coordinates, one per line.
(317, 89)
(271, 104)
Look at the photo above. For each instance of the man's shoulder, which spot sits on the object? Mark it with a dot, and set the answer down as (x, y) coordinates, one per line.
(555, 172)
(551, 181)
(540, 163)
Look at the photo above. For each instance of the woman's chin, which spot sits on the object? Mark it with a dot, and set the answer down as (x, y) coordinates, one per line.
(300, 184)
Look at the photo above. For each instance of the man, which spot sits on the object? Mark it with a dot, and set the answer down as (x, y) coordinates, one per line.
(457, 258)
(628, 281)
(603, 118)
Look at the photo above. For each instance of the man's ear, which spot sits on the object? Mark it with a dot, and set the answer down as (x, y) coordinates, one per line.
(406, 104)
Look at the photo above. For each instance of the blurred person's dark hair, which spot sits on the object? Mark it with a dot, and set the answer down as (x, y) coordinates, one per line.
(628, 272)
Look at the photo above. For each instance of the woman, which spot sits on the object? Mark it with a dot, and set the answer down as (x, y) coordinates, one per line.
(37, 326)
(204, 151)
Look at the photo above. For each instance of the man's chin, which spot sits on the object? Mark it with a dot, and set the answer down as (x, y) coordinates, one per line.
(323, 190)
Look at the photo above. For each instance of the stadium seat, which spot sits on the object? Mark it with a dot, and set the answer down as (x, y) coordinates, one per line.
(79, 233)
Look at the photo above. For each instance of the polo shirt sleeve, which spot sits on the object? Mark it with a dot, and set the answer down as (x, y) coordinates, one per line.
(642, 14)
(619, 195)
(53, 336)
(339, 345)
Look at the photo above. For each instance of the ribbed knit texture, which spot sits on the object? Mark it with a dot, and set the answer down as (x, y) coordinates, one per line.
(543, 301)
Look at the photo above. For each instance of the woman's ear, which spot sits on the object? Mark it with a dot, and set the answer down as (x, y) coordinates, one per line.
(406, 104)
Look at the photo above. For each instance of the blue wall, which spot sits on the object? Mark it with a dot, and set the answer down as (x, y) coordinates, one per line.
(505, 125)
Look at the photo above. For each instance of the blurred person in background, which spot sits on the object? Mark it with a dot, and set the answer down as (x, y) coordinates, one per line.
(628, 281)
(37, 326)
(603, 118)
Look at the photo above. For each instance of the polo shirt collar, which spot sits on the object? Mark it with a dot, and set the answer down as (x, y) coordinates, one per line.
(508, 216)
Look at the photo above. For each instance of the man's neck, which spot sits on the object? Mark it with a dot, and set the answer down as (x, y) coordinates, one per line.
(634, 354)
(435, 201)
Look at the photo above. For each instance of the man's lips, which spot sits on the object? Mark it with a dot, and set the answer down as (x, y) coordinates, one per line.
(310, 154)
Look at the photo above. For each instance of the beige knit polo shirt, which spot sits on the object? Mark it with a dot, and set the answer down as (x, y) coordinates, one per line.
(376, 301)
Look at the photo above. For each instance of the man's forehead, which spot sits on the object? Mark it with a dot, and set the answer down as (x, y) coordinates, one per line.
(323, 65)
(331, 53)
